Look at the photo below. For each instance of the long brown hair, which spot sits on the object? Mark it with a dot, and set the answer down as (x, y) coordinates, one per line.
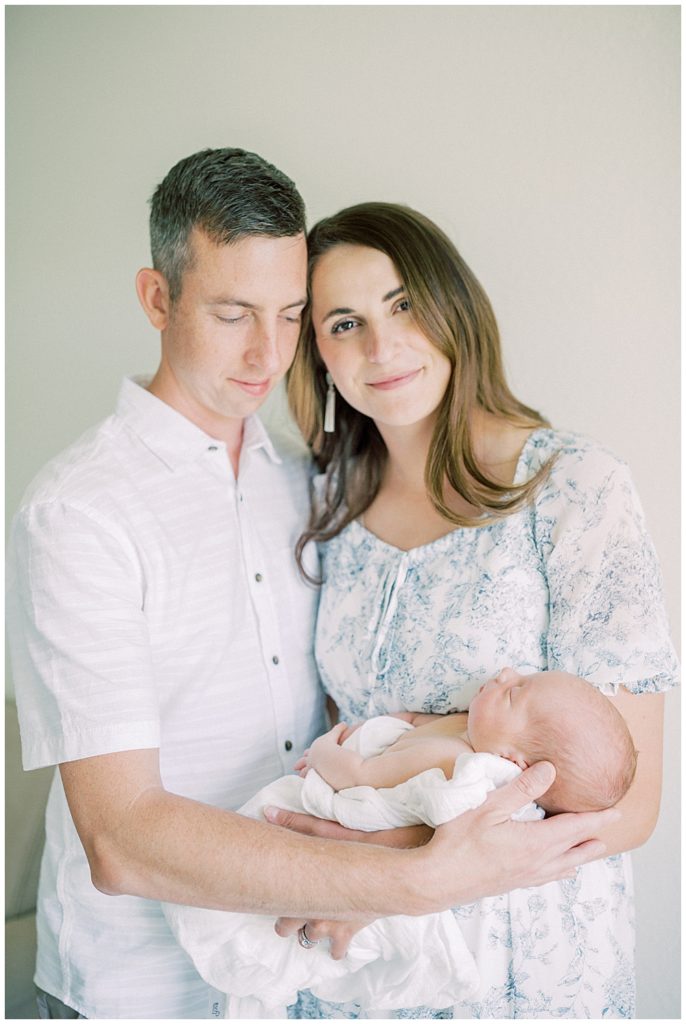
(451, 308)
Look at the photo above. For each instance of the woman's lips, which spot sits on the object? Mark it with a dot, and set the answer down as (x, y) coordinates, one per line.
(396, 381)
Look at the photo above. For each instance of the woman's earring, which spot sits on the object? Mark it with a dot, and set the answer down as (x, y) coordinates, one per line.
(330, 408)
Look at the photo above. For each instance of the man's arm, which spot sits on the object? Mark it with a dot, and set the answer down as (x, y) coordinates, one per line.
(141, 840)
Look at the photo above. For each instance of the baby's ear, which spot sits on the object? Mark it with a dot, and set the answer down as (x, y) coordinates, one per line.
(519, 760)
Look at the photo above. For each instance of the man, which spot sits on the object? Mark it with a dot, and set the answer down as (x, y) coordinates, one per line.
(162, 639)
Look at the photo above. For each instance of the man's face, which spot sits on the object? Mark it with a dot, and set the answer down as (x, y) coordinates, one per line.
(231, 333)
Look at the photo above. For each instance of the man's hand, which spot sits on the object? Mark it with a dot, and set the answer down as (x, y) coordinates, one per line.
(339, 932)
(484, 853)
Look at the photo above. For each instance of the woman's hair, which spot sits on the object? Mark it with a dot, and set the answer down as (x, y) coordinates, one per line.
(452, 310)
(588, 742)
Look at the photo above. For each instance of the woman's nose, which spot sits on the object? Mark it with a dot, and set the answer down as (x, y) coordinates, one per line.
(379, 344)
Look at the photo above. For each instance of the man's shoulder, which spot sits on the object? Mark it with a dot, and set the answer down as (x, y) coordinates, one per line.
(83, 470)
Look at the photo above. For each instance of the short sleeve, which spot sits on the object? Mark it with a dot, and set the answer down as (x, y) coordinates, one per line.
(608, 622)
(81, 657)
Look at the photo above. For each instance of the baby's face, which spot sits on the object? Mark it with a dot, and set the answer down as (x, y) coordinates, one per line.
(500, 713)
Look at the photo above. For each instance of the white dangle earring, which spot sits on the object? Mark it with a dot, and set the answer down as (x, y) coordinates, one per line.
(330, 408)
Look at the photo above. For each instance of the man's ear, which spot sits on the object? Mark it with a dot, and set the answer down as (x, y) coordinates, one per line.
(153, 294)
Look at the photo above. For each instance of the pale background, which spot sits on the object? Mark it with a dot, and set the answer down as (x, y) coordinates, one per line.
(543, 139)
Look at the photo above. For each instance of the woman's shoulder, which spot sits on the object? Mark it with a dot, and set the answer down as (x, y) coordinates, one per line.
(572, 457)
(587, 483)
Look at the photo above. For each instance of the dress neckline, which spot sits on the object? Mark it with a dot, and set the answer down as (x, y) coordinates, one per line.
(458, 529)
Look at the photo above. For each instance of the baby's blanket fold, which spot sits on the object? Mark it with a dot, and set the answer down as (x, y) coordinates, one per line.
(395, 961)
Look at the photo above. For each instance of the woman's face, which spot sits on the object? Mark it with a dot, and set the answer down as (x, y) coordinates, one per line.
(380, 361)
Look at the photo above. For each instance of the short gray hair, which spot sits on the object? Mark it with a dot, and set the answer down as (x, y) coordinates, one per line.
(228, 194)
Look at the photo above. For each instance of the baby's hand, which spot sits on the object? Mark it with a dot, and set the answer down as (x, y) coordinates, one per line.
(334, 763)
(321, 748)
(301, 766)
(323, 745)
(349, 730)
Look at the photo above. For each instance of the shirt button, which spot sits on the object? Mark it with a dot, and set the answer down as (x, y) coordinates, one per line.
(213, 448)
(258, 577)
(288, 745)
(275, 659)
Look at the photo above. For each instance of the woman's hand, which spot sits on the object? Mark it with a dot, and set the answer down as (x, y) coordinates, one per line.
(407, 838)
(340, 933)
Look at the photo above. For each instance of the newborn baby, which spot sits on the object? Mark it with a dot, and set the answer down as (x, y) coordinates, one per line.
(388, 773)
(548, 716)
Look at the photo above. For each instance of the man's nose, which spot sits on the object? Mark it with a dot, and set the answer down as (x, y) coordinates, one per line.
(263, 349)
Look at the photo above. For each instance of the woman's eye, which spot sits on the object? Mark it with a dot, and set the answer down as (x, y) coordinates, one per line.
(342, 326)
(403, 306)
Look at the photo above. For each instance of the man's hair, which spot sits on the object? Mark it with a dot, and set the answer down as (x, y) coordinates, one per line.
(591, 747)
(228, 194)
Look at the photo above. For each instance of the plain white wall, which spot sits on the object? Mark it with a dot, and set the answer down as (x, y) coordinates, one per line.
(543, 139)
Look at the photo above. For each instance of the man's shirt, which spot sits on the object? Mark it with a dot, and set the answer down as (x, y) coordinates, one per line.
(154, 601)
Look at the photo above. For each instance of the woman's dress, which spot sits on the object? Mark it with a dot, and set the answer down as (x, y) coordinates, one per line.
(570, 582)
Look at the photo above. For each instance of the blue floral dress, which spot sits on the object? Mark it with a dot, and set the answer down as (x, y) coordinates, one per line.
(570, 582)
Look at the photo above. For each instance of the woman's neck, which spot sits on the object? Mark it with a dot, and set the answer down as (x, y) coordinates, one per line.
(408, 450)
(495, 442)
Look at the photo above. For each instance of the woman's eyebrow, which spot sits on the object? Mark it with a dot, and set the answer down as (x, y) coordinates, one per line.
(343, 310)
(337, 312)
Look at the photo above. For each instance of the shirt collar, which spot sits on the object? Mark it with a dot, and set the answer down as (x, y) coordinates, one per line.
(172, 437)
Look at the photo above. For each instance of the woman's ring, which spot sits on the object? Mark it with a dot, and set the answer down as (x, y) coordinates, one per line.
(303, 939)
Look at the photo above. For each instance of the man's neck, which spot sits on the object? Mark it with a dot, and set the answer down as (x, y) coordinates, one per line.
(221, 428)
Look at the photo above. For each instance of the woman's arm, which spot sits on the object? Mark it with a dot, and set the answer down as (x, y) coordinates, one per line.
(332, 710)
(418, 718)
(643, 714)
(415, 718)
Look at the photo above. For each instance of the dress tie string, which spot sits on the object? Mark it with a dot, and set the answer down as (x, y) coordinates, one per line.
(386, 603)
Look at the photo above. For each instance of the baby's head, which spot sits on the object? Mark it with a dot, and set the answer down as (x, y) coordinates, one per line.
(556, 717)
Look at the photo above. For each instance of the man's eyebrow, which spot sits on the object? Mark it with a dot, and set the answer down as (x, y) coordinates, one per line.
(342, 310)
(232, 302)
(250, 305)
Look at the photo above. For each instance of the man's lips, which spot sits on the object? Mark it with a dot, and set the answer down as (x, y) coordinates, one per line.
(398, 380)
(252, 387)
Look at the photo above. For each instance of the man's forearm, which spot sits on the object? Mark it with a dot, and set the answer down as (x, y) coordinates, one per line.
(178, 850)
(144, 841)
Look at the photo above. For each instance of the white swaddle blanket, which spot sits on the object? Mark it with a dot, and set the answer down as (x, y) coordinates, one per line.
(395, 961)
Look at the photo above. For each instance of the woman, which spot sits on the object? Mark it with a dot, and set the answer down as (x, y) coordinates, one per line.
(460, 533)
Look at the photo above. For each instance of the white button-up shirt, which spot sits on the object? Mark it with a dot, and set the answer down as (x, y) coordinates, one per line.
(154, 601)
